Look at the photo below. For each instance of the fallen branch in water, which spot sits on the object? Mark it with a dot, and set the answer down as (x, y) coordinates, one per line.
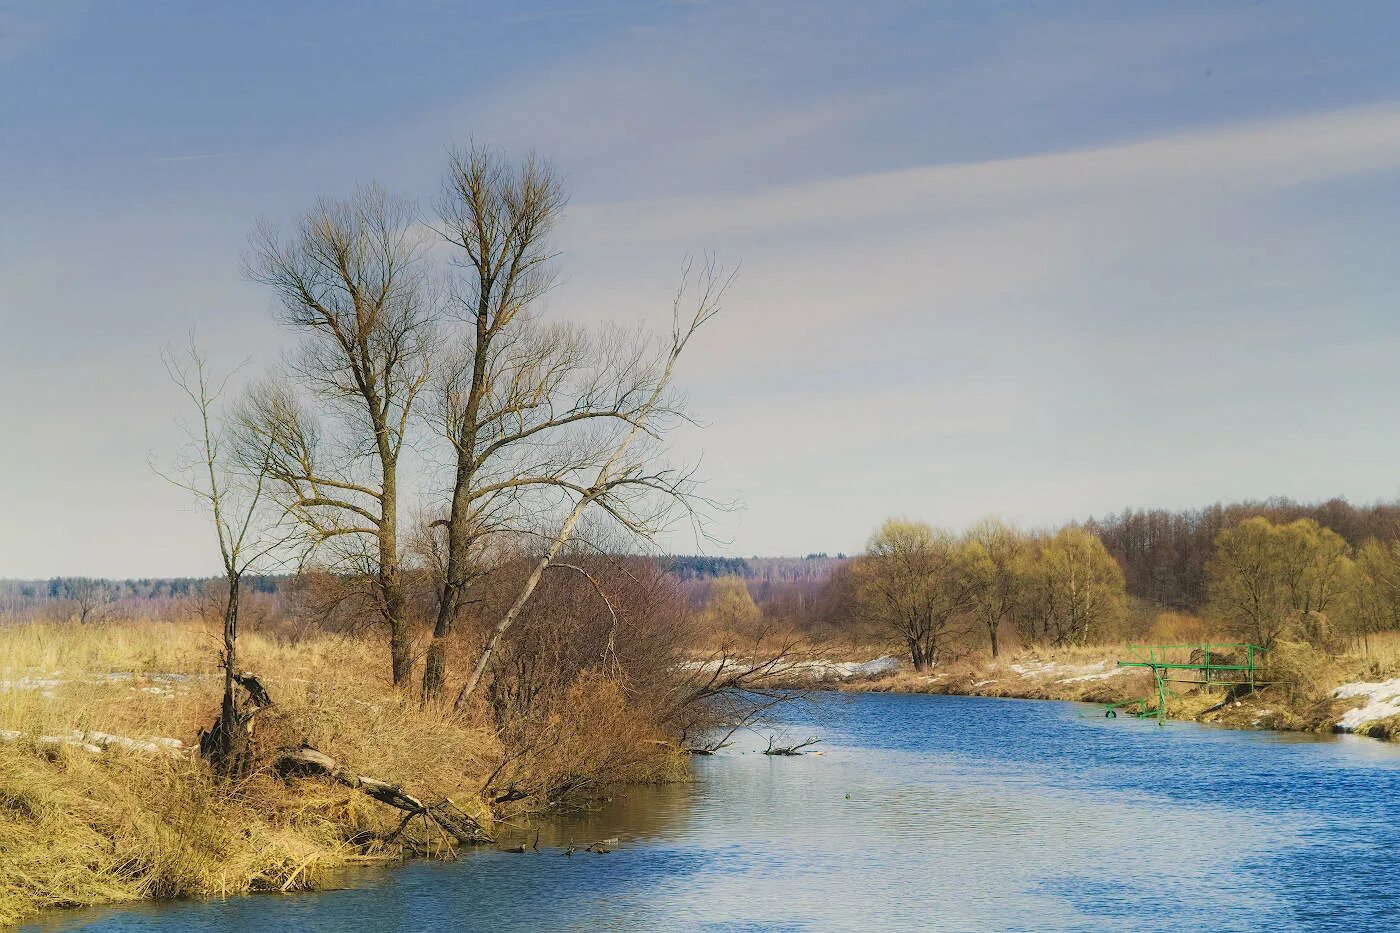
(601, 847)
(710, 748)
(789, 749)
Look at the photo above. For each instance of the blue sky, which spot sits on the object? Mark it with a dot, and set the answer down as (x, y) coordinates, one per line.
(1041, 260)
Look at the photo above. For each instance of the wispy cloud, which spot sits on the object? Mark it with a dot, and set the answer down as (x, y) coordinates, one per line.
(1228, 161)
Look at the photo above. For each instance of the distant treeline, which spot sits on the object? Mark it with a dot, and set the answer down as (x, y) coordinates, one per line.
(758, 569)
(21, 594)
(1164, 553)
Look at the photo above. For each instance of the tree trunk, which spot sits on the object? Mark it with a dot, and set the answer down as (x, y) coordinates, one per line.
(498, 632)
(916, 655)
(992, 634)
(227, 742)
(400, 638)
(390, 582)
(435, 666)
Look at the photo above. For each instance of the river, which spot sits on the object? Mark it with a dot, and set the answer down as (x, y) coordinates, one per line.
(921, 812)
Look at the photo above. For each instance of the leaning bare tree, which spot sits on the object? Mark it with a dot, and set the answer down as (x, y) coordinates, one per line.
(351, 280)
(625, 485)
(542, 420)
(232, 490)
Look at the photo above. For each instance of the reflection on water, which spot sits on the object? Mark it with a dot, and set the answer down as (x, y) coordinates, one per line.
(924, 812)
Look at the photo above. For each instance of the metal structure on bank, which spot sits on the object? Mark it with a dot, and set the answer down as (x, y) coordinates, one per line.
(1233, 666)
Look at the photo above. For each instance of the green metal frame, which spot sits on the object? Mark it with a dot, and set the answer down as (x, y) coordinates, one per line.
(1163, 661)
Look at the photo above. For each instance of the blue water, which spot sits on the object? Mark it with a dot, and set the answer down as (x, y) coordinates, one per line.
(927, 813)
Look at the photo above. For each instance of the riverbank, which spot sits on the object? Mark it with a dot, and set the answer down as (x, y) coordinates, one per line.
(1001, 814)
(1356, 691)
(102, 798)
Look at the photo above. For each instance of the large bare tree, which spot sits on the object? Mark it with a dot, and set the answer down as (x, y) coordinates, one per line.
(352, 281)
(544, 421)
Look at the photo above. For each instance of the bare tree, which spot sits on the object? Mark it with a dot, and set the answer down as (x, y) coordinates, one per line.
(351, 280)
(542, 421)
(232, 489)
(90, 598)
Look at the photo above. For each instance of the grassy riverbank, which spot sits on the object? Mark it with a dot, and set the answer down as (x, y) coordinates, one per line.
(1354, 690)
(102, 798)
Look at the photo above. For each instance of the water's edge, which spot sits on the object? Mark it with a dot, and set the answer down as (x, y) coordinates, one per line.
(1045, 805)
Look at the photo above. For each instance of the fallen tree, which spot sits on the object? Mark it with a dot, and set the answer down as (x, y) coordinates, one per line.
(305, 761)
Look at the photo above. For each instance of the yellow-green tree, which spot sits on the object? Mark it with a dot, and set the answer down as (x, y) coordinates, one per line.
(1074, 590)
(730, 607)
(998, 558)
(1375, 593)
(916, 582)
(1265, 578)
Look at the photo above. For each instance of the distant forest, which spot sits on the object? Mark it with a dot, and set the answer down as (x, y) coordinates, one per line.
(1163, 554)
(91, 592)
(762, 569)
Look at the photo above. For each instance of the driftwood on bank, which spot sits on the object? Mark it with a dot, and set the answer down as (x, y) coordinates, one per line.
(306, 761)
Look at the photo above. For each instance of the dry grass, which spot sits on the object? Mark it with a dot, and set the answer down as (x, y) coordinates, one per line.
(1070, 673)
(80, 828)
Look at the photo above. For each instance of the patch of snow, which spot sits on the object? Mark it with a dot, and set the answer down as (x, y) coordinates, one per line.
(31, 683)
(812, 670)
(1100, 675)
(845, 670)
(1382, 702)
(983, 683)
(1067, 673)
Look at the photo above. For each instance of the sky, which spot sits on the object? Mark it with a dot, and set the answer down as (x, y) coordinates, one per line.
(1028, 259)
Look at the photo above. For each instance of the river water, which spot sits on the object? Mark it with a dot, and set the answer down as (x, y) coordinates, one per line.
(922, 813)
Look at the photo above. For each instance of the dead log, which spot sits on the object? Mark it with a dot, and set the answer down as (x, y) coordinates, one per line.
(257, 694)
(306, 761)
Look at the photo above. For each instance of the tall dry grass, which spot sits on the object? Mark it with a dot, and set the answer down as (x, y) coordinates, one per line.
(78, 827)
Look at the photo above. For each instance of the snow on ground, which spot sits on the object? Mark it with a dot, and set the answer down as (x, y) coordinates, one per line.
(1382, 702)
(845, 670)
(812, 670)
(1067, 673)
(1096, 675)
